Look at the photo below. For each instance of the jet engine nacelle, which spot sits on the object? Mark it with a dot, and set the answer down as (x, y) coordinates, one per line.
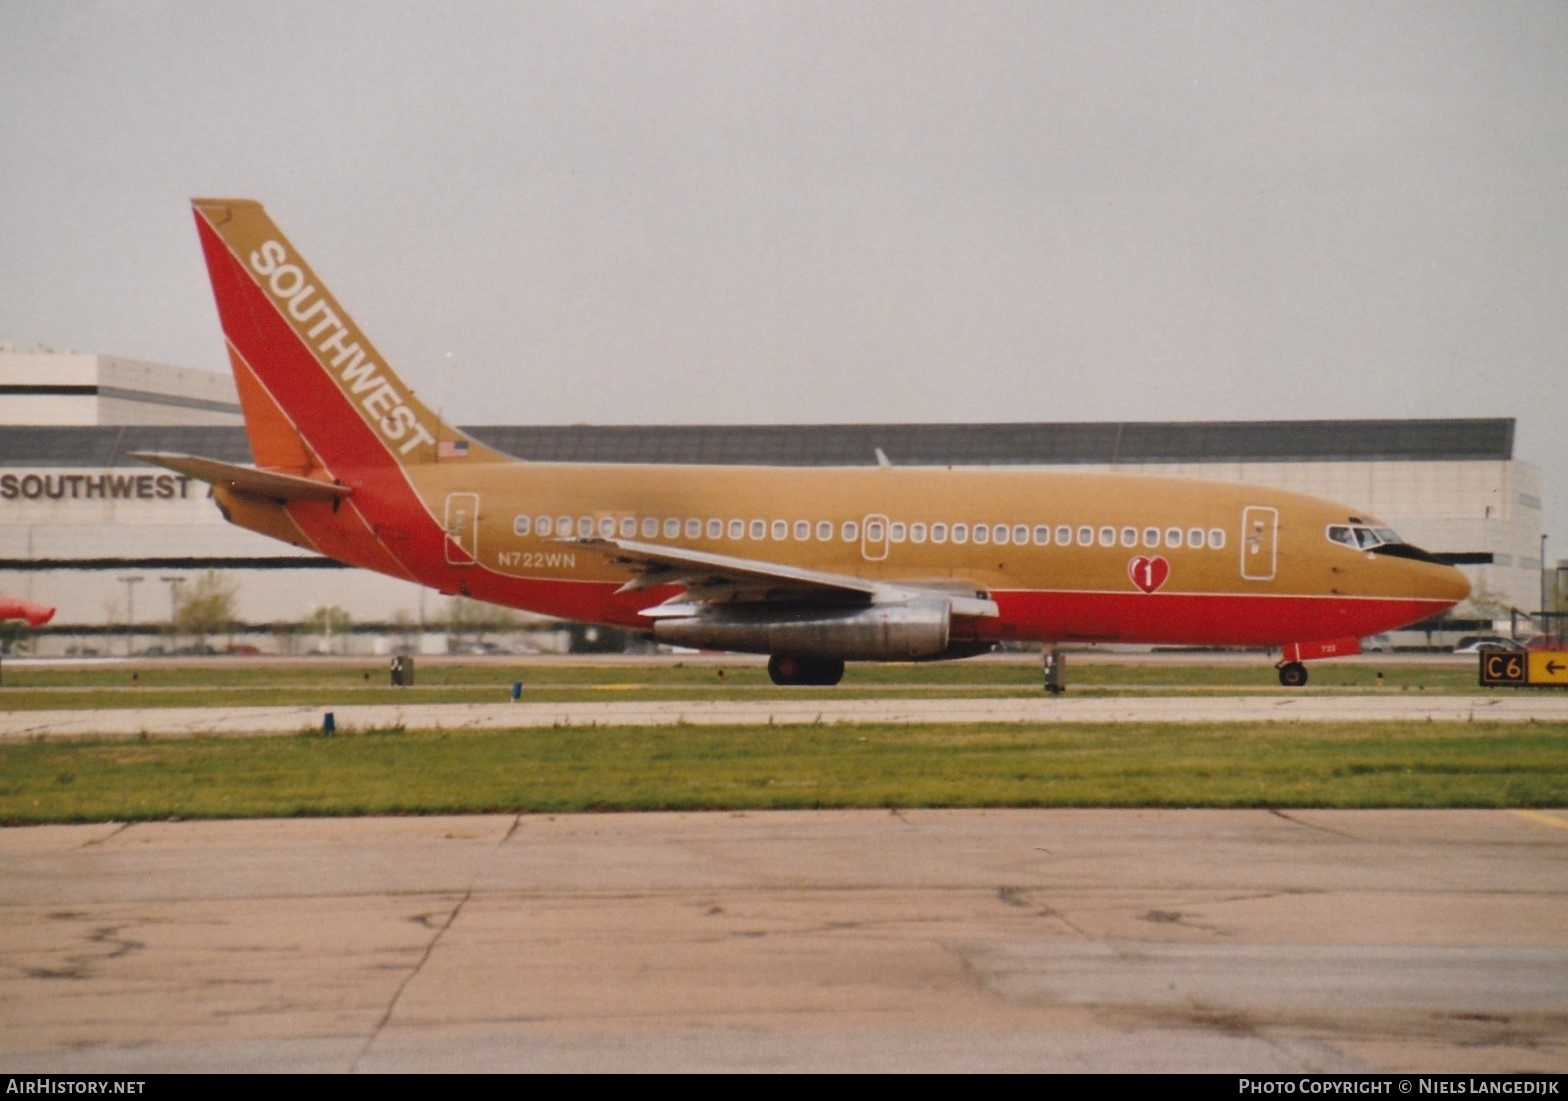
(877, 632)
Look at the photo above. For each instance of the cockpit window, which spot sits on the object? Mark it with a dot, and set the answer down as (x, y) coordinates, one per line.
(1359, 536)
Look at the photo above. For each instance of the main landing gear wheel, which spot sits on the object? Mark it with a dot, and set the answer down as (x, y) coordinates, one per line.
(786, 670)
(1293, 674)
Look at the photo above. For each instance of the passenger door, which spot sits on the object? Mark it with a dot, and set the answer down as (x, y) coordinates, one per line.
(462, 528)
(1259, 535)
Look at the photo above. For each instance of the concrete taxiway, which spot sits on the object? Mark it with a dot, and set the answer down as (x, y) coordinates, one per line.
(780, 710)
(1300, 941)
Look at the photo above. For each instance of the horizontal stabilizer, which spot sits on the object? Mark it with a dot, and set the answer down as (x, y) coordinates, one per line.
(248, 480)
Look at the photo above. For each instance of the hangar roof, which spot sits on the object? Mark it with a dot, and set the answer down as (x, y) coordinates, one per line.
(1460, 439)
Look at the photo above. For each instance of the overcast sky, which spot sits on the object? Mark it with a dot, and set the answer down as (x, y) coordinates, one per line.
(817, 212)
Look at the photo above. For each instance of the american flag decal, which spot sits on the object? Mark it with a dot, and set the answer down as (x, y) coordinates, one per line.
(452, 449)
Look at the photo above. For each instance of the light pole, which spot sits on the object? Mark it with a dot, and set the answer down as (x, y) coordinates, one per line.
(130, 608)
(174, 584)
(1543, 582)
(1559, 605)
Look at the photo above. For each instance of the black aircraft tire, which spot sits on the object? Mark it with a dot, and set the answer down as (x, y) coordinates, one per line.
(827, 672)
(790, 671)
(1293, 674)
(783, 670)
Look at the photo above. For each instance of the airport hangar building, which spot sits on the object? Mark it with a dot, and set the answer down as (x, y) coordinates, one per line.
(85, 524)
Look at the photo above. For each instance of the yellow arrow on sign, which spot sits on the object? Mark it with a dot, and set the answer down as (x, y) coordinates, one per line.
(1548, 666)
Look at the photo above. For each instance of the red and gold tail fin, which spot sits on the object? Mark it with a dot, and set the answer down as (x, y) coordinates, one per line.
(317, 396)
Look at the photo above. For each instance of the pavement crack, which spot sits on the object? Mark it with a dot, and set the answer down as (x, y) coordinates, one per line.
(1023, 898)
(1311, 825)
(83, 965)
(413, 973)
(118, 945)
(1014, 896)
(121, 828)
(1183, 920)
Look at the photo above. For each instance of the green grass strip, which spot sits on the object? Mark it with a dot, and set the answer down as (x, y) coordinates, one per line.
(307, 684)
(757, 768)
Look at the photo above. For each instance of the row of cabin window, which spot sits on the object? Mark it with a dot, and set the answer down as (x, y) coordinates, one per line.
(1041, 535)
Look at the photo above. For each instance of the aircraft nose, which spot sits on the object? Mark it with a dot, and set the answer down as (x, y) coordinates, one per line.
(1451, 585)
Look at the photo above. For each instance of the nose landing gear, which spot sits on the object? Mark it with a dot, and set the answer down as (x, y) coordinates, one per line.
(1292, 674)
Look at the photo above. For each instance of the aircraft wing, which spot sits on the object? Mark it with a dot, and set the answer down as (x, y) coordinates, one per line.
(721, 578)
(249, 480)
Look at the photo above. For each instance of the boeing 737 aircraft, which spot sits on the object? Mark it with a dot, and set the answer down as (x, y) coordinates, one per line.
(814, 567)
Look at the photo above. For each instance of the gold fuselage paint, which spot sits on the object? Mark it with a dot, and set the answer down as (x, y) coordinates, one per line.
(1128, 508)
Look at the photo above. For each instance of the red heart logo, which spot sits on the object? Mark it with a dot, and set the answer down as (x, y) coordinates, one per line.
(1148, 573)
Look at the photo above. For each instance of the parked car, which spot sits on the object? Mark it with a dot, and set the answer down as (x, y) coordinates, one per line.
(1485, 644)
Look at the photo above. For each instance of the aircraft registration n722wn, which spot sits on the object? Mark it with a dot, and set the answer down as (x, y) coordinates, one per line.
(811, 566)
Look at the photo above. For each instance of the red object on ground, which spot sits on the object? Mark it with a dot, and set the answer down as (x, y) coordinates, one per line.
(13, 607)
